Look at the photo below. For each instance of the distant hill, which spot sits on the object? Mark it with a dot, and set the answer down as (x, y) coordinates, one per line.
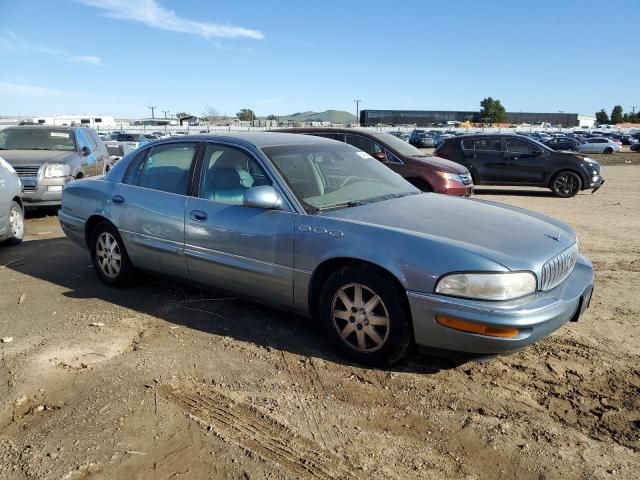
(333, 116)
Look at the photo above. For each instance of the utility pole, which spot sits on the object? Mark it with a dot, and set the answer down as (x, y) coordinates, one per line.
(152, 108)
(165, 112)
(357, 111)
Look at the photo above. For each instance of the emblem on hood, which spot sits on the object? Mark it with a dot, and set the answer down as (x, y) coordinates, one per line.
(555, 237)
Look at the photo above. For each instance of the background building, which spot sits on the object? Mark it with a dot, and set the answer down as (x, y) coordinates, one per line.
(426, 118)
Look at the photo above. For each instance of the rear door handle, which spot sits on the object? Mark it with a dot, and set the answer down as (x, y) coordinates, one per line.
(198, 215)
(117, 199)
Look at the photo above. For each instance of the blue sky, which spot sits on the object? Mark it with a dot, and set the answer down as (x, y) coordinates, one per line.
(116, 57)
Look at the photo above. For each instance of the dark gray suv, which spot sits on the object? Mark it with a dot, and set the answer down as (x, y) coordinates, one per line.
(47, 158)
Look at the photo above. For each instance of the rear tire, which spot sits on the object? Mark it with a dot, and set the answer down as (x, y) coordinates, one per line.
(110, 259)
(16, 225)
(608, 150)
(366, 316)
(566, 184)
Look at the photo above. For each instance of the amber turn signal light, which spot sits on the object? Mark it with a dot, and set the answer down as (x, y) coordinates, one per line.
(477, 328)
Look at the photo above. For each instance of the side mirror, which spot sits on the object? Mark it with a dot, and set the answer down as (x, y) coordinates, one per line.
(536, 152)
(85, 151)
(380, 156)
(264, 197)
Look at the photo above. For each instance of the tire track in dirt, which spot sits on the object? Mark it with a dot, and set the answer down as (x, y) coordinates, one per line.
(255, 432)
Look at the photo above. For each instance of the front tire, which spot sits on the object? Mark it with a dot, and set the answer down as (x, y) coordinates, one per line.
(110, 259)
(608, 150)
(16, 224)
(366, 316)
(566, 184)
(421, 185)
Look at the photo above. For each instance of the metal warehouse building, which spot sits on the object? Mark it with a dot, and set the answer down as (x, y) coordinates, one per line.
(425, 118)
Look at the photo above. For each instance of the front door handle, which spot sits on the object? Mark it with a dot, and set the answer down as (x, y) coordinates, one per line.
(117, 199)
(198, 215)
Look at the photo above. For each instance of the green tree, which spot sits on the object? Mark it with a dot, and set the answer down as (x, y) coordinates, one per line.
(616, 115)
(492, 111)
(181, 114)
(246, 115)
(272, 117)
(602, 118)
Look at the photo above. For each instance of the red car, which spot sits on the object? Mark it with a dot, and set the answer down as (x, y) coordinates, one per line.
(428, 173)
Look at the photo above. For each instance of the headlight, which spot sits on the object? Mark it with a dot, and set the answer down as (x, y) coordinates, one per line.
(450, 176)
(52, 170)
(487, 286)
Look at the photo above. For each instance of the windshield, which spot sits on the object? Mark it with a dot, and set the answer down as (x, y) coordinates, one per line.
(36, 139)
(325, 176)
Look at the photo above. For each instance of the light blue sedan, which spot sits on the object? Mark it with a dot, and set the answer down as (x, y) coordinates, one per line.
(318, 227)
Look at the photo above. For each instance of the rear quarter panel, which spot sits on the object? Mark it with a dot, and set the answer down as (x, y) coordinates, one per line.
(82, 199)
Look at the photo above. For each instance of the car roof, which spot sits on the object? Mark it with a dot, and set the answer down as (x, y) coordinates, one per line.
(258, 139)
(43, 127)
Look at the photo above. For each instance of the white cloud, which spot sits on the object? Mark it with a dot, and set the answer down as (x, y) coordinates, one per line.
(11, 43)
(23, 90)
(153, 15)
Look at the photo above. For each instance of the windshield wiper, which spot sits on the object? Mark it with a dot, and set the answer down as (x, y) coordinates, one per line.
(350, 203)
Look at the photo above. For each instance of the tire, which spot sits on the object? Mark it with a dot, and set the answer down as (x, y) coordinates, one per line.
(16, 225)
(566, 184)
(110, 259)
(420, 184)
(608, 150)
(384, 343)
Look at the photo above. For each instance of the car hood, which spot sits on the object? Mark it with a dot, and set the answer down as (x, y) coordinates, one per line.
(35, 157)
(513, 237)
(441, 164)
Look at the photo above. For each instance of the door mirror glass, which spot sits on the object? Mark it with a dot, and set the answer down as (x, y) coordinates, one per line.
(264, 196)
(85, 151)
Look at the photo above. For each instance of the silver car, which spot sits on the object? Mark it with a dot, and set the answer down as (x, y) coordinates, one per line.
(11, 210)
(599, 145)
(319, 227)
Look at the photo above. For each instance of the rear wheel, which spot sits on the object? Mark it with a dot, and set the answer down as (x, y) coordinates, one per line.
(566, 184)
(109, 256)
(366, 316)
(608, 150)
(16, 224)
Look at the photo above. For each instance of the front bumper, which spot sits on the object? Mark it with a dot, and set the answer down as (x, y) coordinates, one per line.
(535, 315)
(596, 182)
(42, 192)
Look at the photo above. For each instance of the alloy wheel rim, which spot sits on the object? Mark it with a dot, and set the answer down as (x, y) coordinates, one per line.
(108, 255)
(17, 223)
(360, 317)
(566, 184)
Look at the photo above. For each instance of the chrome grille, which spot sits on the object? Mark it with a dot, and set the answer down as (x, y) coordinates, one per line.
(27, 170)
(556, 270)
(28, 188)
(466, 178)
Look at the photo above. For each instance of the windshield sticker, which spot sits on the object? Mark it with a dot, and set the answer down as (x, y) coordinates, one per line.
(363, 154)
(60, 134)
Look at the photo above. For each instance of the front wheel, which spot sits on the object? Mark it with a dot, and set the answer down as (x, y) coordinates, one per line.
(16, 224)
(421, 185)
(566, 184)
(366, 316)
(110, 259)
(608, 150)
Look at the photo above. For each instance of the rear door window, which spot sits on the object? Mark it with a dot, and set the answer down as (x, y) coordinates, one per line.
(167, 168)
(468, 144)
(489, 144)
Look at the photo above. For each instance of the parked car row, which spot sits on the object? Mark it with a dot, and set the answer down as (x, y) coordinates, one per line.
(322, 227)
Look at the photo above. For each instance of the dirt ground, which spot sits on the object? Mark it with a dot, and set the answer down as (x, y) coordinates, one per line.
(167, 381)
